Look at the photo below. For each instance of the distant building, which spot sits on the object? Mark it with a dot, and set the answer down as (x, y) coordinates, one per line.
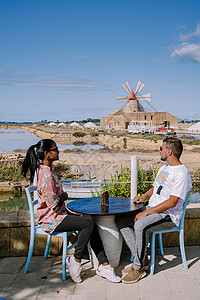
(121, 118)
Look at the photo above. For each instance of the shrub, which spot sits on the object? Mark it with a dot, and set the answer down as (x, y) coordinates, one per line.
(79, 143)
(63, 171)
(115, 187)
(120, 186)
(11, 173)
(94, 134)
(196, 180)
(79, 134)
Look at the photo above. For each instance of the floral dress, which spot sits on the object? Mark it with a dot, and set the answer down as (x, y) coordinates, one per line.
(49, 190)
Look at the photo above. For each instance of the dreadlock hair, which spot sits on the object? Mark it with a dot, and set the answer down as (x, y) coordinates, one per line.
(34, 156)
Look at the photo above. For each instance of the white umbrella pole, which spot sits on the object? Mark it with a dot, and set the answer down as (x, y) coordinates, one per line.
(133, 176)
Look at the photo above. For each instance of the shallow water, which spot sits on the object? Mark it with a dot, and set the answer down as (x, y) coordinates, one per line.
(17, 138)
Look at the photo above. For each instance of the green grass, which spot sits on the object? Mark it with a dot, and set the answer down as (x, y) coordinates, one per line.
(15, 203)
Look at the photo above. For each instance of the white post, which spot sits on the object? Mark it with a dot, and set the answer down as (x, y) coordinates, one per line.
(133, 176)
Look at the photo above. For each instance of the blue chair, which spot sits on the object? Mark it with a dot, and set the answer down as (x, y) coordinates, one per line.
(36, 229)
(179, 228)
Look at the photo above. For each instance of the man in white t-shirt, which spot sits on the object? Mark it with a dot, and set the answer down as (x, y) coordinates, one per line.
(164, 210)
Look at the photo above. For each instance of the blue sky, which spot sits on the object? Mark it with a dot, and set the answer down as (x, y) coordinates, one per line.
(65, 60)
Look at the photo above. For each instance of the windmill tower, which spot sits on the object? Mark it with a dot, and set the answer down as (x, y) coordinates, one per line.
(132, 101)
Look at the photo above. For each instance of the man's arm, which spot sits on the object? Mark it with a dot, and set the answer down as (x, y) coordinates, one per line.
(167, 204)
(146, 196)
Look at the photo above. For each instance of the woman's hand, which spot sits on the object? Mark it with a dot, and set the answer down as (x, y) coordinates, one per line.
(63, 197)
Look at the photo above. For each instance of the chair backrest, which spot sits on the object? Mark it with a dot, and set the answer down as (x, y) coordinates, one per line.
(31, 203)
(181, 225)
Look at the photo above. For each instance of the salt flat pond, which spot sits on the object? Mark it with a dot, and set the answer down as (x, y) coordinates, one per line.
(17, 138)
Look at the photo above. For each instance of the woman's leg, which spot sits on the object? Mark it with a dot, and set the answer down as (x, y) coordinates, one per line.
(104, 270)
(97, 246)
(84, 224)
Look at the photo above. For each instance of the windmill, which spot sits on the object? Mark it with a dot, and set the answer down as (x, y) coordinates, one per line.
(132, 102)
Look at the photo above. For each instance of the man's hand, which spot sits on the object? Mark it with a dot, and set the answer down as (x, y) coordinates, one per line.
(138, 199)
(141, 214)
(146, 196)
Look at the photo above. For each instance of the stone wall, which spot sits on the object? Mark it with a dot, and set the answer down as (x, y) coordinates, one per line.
(15, 236)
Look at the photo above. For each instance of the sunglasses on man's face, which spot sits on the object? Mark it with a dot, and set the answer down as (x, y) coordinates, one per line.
(161, 148)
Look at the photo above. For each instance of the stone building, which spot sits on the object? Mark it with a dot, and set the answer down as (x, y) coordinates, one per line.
(121, 118)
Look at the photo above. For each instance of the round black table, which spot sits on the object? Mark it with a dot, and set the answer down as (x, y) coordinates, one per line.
(104, 217)
(92, 206)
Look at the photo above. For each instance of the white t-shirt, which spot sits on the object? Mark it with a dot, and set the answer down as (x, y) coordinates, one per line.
(171, 180)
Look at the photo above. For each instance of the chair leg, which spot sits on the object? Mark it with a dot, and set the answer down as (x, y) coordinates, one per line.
(131, 258)
(160, 244)
(30, 253)
(181, 241)
(47, 246)
(64, 257)
(152, 253)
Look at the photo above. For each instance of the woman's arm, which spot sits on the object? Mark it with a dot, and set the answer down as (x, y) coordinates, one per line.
(47, 190)
(63, 197)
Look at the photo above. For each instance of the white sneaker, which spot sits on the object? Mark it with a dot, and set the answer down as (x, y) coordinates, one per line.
(74, 269)
(108, 273)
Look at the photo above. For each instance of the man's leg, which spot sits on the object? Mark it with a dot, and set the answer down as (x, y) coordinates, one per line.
(125, 224)
(142, 228)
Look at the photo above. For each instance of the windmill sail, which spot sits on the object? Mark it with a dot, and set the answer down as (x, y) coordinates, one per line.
(139, 87)
(146, 97)
(135, 96)
(122, 98)
(127, 87)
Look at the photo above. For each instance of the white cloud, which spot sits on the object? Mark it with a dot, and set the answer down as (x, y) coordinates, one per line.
(187, 53)
(186, 37)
